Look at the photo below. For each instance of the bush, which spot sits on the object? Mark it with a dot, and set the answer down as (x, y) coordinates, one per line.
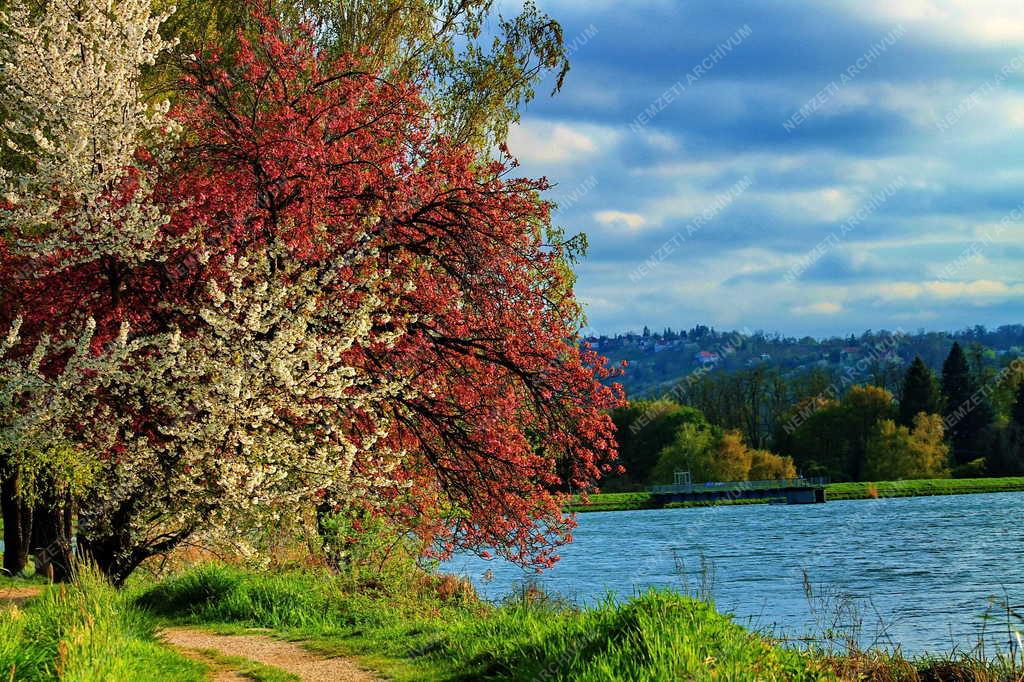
(976, 468)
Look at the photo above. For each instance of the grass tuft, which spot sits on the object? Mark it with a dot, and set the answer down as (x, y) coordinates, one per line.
(86, 632)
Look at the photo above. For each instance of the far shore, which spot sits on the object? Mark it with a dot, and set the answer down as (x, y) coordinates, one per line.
(627, 501)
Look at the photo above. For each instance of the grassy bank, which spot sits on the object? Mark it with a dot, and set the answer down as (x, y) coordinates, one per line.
(422, 627)
(443, 633)
(833, 491)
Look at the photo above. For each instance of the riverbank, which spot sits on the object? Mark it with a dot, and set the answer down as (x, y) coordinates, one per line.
(435, 629)
(432, 629)
(833, 491)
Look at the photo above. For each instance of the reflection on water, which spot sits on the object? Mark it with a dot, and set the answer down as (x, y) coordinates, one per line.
(922, 572)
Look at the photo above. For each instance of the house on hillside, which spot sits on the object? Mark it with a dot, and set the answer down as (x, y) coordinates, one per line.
(705, 357)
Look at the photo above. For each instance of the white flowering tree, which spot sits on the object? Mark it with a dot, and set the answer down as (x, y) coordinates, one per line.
(74, 191)
(197, 381)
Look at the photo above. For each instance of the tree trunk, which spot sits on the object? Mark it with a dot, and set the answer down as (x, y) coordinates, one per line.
(17, 527)
(332, 553)
(116, 551)
(51, 539)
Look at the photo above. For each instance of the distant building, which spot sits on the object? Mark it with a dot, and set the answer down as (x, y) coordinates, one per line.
(706, 358)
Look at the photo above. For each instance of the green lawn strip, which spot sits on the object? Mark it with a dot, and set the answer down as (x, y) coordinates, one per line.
(834, 491)
(923, 487)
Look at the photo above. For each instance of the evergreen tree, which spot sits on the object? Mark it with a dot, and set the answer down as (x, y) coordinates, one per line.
(968, 411)
(918, 393)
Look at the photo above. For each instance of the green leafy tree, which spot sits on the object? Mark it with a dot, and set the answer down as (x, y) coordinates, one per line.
(643, 429)
(864, 407)
(833, 439)
(1017, 413)
(896, 452)
(1007, 458)
(692, 449)
(918, 393)
(481, 66)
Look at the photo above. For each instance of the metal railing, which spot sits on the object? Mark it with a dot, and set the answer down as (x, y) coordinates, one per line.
(712, 486)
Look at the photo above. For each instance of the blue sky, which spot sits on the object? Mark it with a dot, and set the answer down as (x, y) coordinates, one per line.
(810, 167)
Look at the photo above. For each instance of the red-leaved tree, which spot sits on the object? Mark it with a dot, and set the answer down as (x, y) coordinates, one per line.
(502, 412)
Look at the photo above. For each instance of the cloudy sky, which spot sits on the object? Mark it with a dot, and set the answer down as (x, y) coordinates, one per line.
(805, 166)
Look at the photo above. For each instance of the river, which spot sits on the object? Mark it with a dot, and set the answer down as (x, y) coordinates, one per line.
(920, 572)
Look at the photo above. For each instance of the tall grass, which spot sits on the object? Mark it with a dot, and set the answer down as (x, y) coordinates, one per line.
(86, 632)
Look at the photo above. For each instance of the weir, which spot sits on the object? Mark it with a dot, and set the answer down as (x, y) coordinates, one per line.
(785, 491)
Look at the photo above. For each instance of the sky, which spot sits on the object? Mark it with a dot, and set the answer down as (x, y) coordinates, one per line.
(814, 167)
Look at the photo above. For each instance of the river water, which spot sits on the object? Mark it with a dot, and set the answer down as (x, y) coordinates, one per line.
(921, 573)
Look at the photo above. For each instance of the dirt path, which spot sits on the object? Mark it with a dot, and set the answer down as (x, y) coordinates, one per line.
(287, 656)
(17, 596)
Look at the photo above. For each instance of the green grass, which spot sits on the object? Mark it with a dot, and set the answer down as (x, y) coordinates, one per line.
(833, 491)
(421, 627)
(615, 502)
(251, 669)
(923, 487)
(658, 635)
(29, 580)
(86, 633)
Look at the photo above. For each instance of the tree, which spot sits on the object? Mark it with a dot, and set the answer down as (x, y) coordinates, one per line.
(731, 458)
(1017, 412)
(968, 412)
(74, 193)
(712, 454)
(863, 407)
(897, 453)
(341, 308)
(691, 450)
(832, 439)
(1007, 457)
(918, 393)
(767, 466)
(642, 429)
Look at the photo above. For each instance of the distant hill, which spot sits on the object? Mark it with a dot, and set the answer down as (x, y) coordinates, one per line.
(659, 360)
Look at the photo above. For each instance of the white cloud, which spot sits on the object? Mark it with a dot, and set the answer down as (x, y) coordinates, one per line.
(979, 290)
(829, 204)
(537, 141)
(631, 221)
(981, 21)
(820, 308)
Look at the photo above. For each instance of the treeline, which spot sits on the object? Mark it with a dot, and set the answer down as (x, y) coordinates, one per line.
(759, 423)
(658, 359)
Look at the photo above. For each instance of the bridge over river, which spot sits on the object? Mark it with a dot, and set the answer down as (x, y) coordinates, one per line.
(784, 491)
